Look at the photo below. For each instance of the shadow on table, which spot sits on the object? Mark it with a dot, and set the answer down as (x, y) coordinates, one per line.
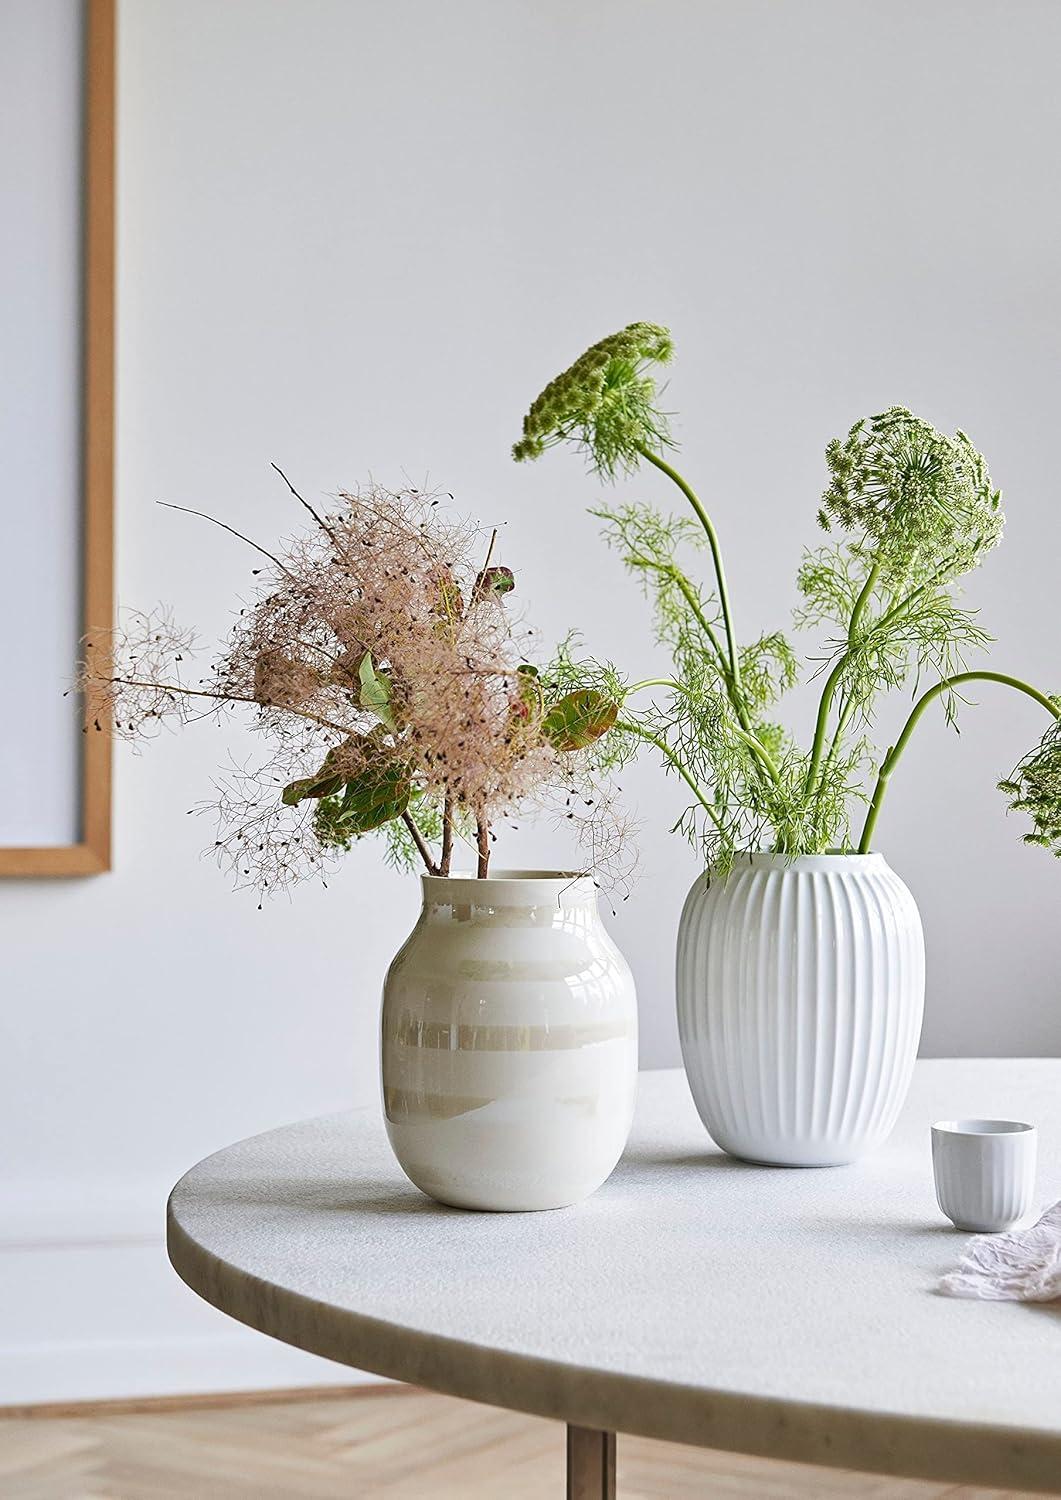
(638, 1157)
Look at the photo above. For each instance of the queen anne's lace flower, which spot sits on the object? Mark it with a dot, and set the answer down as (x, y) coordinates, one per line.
(920, 498)
(605, 400)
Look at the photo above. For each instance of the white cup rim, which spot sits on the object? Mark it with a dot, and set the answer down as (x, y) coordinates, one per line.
(973, 1129)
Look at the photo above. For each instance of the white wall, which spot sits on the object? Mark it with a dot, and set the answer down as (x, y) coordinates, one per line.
(357, 238)
(41, 43)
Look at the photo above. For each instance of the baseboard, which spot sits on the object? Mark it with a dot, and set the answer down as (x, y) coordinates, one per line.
(180, 1369)
(204, 1401)
(91, 1310)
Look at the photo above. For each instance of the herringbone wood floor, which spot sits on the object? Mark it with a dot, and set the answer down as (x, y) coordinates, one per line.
(394, 1444)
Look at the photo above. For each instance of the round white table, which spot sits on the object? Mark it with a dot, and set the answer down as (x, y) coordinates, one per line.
(786, 1313)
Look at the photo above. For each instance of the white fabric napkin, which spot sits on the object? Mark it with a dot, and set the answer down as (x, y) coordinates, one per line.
(1023, 1265)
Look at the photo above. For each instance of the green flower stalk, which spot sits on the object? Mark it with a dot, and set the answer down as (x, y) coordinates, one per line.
(910, 510)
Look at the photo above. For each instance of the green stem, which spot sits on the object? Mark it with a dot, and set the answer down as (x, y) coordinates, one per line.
(716, 555)
(832, 681)
(761, 753)
(664, 682)
(888, 618)
(889, 763)
(664, 749)
(689, 595)
(898, 610)
(847, 707)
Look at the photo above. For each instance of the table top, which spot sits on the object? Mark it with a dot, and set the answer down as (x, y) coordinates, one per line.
(784, 1312)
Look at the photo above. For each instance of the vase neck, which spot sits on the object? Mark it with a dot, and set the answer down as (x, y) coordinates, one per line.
(510, 890)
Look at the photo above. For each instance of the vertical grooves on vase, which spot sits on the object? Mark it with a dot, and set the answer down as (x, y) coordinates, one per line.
(892, 1011)
(863, 987)
(839, 1064)
(778, 1022)
(895, 1014)
(757, 926)
(823, 986)
(721, 1050)
(815, 984)
(800, 991)
(788, 995)
(850, 979)
(809, 950)
(705, 959)
(912, 963)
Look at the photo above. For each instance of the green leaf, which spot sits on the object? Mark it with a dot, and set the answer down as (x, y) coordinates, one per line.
(496, 581)
(312, 786)
(375, 692)
(379, 794)
(323, 784)
(579, 718)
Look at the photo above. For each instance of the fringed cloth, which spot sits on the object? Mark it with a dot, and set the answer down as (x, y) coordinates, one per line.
(1023, 1265)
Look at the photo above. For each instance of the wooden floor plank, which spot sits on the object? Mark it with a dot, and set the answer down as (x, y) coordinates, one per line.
(376, 1446)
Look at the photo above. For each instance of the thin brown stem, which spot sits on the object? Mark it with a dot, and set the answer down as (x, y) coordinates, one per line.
(490, 549)
(187, 511)
(482, 844)
(184, 692)
(420, 842)
(321, 522)
(446, 858)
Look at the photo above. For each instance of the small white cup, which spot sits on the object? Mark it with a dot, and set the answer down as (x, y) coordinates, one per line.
(985, 1172)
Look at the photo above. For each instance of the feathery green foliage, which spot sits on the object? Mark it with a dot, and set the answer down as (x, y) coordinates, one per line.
(1034, 787)
(914, 509)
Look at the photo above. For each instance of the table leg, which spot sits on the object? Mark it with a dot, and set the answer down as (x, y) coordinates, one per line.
(590, 1464)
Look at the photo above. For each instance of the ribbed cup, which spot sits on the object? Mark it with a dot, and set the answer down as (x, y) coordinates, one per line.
(800, 995)
(984, 1171)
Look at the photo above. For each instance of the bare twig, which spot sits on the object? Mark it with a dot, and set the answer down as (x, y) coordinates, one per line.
(186, 510)
(446, 858)
(321, 522)
(185, 692)
(421, 844)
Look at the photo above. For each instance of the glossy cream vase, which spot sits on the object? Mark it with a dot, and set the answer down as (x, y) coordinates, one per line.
(801, 988)
(509, 1043)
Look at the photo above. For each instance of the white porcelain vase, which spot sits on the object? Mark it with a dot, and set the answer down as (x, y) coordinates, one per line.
(509, 1043)
(801, 988)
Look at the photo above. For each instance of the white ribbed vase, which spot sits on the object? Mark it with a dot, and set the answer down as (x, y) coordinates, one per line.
(509, 1043)
(801, 987)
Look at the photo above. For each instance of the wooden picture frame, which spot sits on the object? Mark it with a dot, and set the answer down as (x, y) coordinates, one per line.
(91, 853)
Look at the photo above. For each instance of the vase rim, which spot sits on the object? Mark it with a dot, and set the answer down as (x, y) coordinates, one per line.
(828, 859)
(510, 888)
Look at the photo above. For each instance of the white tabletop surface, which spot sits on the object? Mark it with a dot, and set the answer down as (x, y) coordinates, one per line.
(782, 1312)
